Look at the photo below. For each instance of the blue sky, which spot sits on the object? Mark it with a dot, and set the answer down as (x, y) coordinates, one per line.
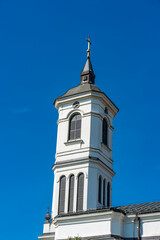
(42, 52)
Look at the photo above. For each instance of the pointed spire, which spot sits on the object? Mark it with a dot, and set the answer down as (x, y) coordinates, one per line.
(87, 74)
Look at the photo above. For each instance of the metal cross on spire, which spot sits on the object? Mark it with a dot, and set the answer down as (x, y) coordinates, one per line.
(88, 50)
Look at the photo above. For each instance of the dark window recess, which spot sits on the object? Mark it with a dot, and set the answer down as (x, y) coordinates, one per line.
(85, 78)
(106, 110)
(62, 188)
(105, 132)
(71, 193)
(108, 194)
(104, 192)
(100, 189)
(75, 127)
(80, 190)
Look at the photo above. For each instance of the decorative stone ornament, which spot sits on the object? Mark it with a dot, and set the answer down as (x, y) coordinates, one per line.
(47, 216)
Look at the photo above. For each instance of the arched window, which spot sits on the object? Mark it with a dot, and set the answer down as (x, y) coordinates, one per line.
(80, 189)
(108, 194)
(71, 193)
(104, 192)
(100, 189)
(105, 132)
(75, 127)
(62, 188)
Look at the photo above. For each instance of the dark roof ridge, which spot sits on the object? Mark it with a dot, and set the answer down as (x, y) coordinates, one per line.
(150, 207)
(137, 204)
(140, 208)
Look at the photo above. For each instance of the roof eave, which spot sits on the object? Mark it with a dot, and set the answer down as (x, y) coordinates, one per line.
(71, 97)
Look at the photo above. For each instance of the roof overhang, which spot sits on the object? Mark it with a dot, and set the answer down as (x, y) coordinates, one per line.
(85, 95)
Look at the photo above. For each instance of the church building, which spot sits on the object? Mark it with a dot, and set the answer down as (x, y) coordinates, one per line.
(83, 172)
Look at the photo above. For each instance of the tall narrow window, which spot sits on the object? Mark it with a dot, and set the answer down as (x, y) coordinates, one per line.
(104, 192)
(108, 194)
(71, 193)
(80, 189)
(100, 189)
(75, 126)
(105, 132)
(62, 188)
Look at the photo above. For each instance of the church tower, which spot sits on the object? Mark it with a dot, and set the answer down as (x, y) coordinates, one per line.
(82, 197)
(83, 168)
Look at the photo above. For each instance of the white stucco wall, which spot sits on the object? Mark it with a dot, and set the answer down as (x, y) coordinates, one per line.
(92, 112)
(75, 226)
(103, 224)
(74, 169)
(71, 152)
(73, 158)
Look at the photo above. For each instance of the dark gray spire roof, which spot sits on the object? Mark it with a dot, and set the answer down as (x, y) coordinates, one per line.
(87, 74)
(83, 88)
(88, 66)
(87, 80)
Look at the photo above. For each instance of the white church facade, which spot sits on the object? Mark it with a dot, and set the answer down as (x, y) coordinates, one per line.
(83, 172)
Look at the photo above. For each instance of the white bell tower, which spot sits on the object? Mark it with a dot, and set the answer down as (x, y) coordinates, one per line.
(82, 198)
(83, 168)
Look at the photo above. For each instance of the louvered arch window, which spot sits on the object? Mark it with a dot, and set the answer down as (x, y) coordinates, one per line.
(80, 190)
(100, 189)
(71, 193)
(104, 192)
(108, 194)
(105, 132)
(62, 189)
(75, 126)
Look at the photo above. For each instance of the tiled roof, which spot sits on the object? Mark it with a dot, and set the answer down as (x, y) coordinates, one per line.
(140, 208)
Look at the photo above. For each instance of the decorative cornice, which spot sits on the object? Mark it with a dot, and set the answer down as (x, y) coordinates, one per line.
(85, 150)
(106, 147)
(82, 160)
(84, 95)
(50, 235)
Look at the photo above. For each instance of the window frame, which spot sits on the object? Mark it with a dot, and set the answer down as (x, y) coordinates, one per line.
(104, 192)
(100, 180)
(69, 194)
(105, 126)
(59, 197)
(76, 129)
(78, 199)
(108, 194)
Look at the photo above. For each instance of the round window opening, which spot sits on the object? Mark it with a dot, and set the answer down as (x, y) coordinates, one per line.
(76, 104)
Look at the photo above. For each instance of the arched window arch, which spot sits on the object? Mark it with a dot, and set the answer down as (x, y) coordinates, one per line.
(71, 193)
(104, 192)
(100, 189)
(80, 190)
(105, 132)
(108, 194)
(75, 127)
(62, 189)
